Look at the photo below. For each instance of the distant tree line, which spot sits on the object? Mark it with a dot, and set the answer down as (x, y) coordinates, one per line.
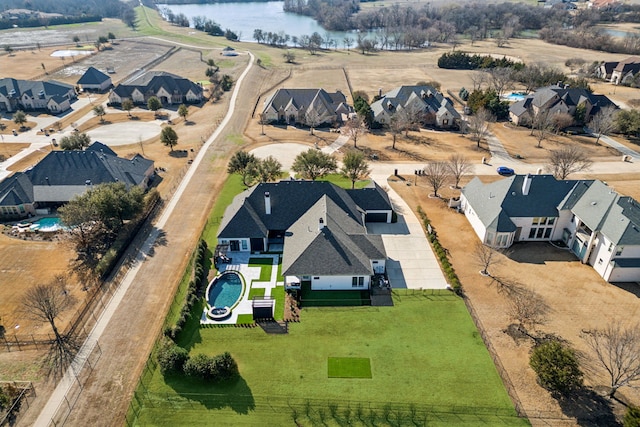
(73, 11)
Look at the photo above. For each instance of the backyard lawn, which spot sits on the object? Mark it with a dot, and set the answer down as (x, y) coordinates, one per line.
(428, 366)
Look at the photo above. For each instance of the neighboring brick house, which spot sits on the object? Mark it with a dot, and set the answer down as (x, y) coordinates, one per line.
(557, 99)
(434, 108)
(625, 70)
(319, 227)
(168, 88)
(601, 227)
(307, 107)
(30, 95)
(62, 175)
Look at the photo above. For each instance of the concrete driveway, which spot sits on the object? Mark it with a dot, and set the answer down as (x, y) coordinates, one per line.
(411, 262)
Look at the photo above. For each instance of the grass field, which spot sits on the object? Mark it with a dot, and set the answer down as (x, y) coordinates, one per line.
(265, 264)
(429, 361)
(349, 367)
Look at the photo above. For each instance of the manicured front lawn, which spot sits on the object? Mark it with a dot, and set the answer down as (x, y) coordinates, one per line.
(428, 362)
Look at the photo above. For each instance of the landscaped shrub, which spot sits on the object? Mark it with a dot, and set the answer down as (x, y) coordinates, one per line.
(632, 417)
(200, 366)
(556, 366)
(171, 357)
(226, 367)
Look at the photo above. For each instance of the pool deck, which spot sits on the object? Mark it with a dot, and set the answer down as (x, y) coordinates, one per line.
(251, 276)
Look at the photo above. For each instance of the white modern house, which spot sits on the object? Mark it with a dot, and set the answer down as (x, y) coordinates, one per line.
(319, 227)
(601, 227)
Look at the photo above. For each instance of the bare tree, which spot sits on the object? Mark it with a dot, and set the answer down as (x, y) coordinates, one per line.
(458, 167)
(561, 121)
(501, 79)
(617, 350)
(411, 117)
(485, 256)
(313, 118)
(354, 129)
(437, 174)
(568, 160)
(479, 125)
(46, 303)
(396, 126)
(603, 122)
(527, 307)
(542, 125)
(479, 79)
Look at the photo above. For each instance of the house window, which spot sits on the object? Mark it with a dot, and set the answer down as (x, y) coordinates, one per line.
(551, 221)
(610, 247)
(445, 122)
(619, 250)
(357, 282)
(547, 233)
(489, 239)
(540, 233)
(316, 277)
(244, 245)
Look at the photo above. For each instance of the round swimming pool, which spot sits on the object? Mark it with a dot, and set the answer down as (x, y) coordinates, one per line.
(225, 290)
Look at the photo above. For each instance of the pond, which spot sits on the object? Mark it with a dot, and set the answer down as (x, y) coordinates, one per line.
(244, 18)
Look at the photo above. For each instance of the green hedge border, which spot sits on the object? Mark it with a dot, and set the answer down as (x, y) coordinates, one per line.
(441, 252)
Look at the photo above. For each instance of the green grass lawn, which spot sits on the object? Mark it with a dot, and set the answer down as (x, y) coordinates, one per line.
(430, 367)
(232, 187)
(344, 182)
(349, 367)
(265, 265)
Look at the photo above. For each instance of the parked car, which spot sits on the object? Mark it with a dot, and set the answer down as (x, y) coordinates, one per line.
(505, 171)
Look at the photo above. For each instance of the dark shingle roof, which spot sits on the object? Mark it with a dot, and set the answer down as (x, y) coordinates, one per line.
(34, 88)
(371, 198)
(16, 190)
(152, 81)
(403, 96)
(93, 76)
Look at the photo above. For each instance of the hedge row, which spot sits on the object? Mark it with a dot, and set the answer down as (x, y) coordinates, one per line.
(194, 291)
(173, 359)
(450, 273)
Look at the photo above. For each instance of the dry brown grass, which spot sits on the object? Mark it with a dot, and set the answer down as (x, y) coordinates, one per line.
(578, 297)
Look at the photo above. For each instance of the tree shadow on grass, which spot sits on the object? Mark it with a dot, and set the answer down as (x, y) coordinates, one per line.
(588, 408)
(235, 395)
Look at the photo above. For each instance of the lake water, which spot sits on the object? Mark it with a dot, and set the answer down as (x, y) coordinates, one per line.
(244, 18)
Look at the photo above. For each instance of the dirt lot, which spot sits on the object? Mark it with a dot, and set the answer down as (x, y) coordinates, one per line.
(576, 305)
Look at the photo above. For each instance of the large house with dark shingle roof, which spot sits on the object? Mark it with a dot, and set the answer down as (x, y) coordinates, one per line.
(601, 227)
(433, 107)
(306, 106)
(51, 96)
(168, 88)
(62, 175)
(558, 100)
(319, 227)
(94, 80)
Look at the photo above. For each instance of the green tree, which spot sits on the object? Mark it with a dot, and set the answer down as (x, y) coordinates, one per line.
(632, 417)
(99, 111)
(363, 110)
(557, 367)
(243, 163)
(226, 83)
(268, 169)
(115, 203)
(169, 137)
(75, 141)
(183, 111)
(127, 105)
(355, 166)
(76, 40)
(313, 164)
(20, 118)
(628, 122)
(154, 104)
(111, 36)
(171, 358)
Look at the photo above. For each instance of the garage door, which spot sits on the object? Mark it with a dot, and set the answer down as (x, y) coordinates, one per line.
(376, 217)
(625, 275)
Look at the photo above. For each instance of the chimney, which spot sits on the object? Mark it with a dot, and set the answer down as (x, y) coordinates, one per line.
(267, 203)
(526, 184)
(320, 224)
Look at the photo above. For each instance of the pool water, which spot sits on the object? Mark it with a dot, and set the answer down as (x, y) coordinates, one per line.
(514, 97)
(225, 291)
(47, 224)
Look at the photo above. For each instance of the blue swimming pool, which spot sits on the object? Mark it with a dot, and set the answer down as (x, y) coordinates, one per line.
(225, 290)
(47, 224)
(514, 96)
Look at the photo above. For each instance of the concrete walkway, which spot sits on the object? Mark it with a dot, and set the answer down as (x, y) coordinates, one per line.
(335, 146)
